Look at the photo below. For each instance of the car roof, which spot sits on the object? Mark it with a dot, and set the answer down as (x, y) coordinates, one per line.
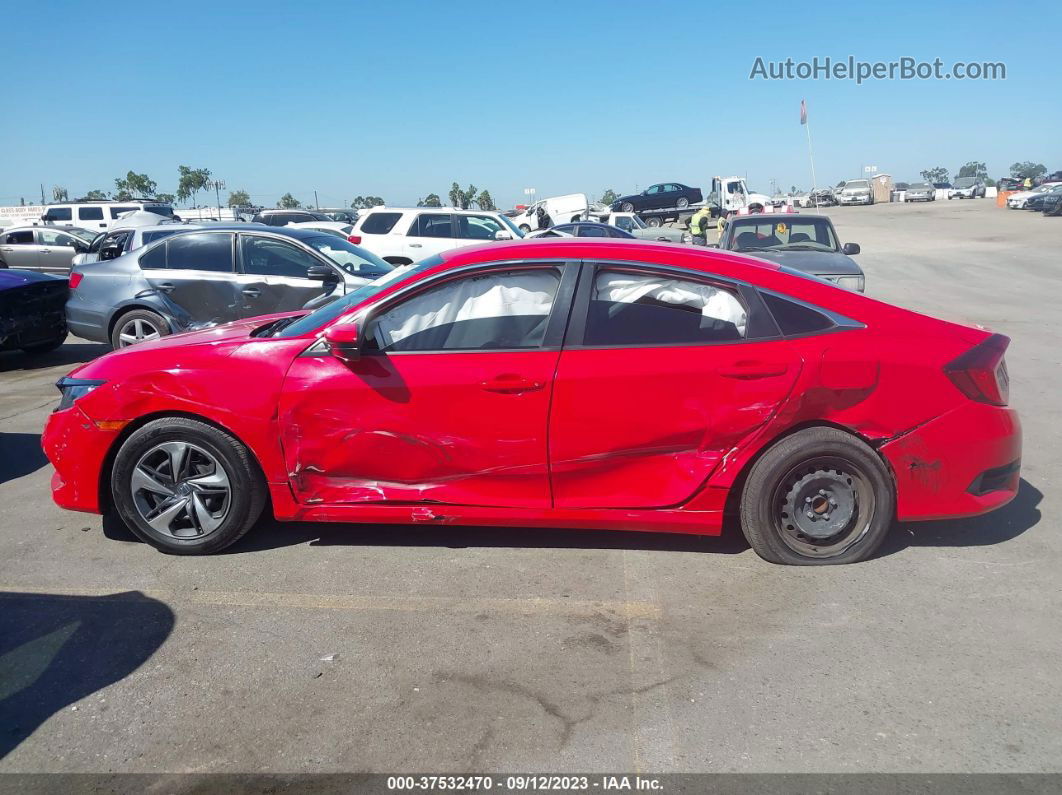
(299, 233)
(449, 210)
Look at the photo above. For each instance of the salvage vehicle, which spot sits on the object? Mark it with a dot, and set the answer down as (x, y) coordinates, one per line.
(1036, 202)
(920, 192)
(203, 277)
(823, 197)
(114, 243)
(604, 384)
(660, 196)
(967, 188)
(855, 191)
(555, 210)
(1052, 204)
(31, 311)
(636, 227)
(806, 243)
(1016, 201)
(97, 215)
(42, 248)
(402, 236)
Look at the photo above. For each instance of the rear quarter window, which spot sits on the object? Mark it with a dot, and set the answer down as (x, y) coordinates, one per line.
(793, 318)
(380, 223)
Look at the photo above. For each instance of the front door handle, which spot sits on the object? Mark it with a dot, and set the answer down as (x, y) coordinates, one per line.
(416, 245)
(511, 384)
(744, 370)
(166, 287)
(252, 292)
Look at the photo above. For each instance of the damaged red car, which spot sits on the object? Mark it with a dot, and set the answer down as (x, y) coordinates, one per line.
(553, 383)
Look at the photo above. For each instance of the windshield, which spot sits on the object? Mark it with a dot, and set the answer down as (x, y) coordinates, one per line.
(805, 234)
(856, 184)
(82, 234)
(349, 257)
(164, 210)
(515, 229)
(965, 182)
(921, 186)
(329, 312)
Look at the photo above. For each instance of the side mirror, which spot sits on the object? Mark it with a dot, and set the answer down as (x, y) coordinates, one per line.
(850, 248)
(322, 273)
(343, 342)
(79, 247)
(110, 252)
(501, 234)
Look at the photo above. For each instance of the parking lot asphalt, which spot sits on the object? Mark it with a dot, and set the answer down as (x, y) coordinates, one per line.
(395, 649)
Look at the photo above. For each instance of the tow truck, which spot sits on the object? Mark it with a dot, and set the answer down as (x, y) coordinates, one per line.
(729, 195)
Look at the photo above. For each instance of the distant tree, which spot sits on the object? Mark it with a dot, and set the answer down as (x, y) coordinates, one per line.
(366, 202)
(484, 200)
(463, 198)
(165, 197)
(609, 196)
(134, 185)
(288, 202)
(96, 195)
(974, 168)
(191, 181)
(792, 189)
(59, 193)
(21, 202)
(1027, 169)
(431, 200)
(989, 182)
(932, 175)
(239, 198)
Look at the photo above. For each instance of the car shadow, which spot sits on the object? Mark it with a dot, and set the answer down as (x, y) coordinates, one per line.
(20, 454)
(56, 650)
(67, 353)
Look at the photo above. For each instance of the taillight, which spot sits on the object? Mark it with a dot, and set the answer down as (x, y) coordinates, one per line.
(981, 372)
(355, 239)
(75, 279)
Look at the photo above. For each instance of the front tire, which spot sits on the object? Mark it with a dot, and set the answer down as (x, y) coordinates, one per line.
(627, 207)
(186, 487)
(818, 497)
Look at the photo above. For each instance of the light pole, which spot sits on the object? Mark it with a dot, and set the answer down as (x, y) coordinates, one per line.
(530, 193)
(219, 186)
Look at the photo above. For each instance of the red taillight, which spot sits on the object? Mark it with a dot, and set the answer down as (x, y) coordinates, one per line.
(75, 279)
(355, 239)
(981, 372)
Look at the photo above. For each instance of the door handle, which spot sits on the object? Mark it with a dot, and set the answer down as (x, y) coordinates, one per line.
(44, 251)
(416, 245)
(754, 370)
(166, 286)
(253, 292)
(510, 384)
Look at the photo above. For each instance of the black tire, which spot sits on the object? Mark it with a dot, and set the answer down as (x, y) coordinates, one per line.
(627, 207)
(145, 317)
(245, 500)
(818, 497)
(525, 228)
(653, 222)
(45, 347)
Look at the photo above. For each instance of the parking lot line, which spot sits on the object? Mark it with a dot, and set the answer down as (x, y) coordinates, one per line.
(404, 604)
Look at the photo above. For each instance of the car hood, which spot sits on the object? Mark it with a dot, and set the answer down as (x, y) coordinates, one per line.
(817, 262)
(18, 278)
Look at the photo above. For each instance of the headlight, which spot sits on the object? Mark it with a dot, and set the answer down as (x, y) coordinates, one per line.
(856, 283)
(73, 389)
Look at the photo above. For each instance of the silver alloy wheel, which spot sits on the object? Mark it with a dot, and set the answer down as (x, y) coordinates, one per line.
(181, 490)
(682, 202)
(137, 330)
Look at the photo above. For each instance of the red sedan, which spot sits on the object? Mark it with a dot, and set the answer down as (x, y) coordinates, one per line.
(605, 384)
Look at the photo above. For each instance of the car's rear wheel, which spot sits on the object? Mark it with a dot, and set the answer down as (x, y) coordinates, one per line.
(627, 207)
(186, 487)
(818, 497)
(140, 325)
(682, 202)
(525, 228)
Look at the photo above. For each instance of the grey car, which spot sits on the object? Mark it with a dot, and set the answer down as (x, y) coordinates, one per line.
(920, 192)
(806, 243)
(47, 249)
(967, 188)
(199, 278)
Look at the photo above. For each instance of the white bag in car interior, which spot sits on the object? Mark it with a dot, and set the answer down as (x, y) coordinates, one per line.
(623, 288)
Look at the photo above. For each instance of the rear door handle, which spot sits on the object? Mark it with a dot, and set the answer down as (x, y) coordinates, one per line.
(253, 292)
(166, 286)
(416, 245)
(510, 384)
(754, 370)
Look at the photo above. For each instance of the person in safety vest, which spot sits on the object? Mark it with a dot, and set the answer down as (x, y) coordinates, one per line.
(699, 225)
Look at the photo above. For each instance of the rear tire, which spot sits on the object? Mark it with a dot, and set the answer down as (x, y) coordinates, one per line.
(682, 203)
(818, 497)
(140, 325)
(525, 228)
(213, 488)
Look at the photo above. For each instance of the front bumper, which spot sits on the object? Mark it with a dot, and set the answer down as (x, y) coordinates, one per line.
(853, 199)
(963, 463)
(77, 449)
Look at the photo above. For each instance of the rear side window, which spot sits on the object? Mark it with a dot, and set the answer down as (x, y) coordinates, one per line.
(380, 223)
(116, 211)
(151, 237)
(58, 214)
(90, 213)
(431, 225)
(651, 309)
(794, 318)
(19, 238)
(206, 251)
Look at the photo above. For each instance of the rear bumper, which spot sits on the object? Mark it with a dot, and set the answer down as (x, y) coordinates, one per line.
(86, 319)
(963, 463)
(77, 450)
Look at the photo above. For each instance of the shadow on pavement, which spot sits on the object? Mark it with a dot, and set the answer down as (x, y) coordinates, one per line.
(55, 650)
(20, 454)
(67, 353)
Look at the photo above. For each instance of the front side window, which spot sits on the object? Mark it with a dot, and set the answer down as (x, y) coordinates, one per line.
(478, 227)
(654, 190)
(50, 237)
(432, 225)
(349, 257)
(58, 214)
(203, 251)
(502, 310)
(90, 213)
(264, 256)
(650, 309)
(380, 223)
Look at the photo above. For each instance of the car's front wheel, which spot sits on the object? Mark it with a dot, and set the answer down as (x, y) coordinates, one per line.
(627, 207)
(186, 487)
(818, 497)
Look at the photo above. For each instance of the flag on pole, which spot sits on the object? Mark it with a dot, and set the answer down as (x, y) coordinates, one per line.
(803, 112)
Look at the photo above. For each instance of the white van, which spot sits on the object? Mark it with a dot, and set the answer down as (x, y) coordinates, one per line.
(558, 209)
(99, 215)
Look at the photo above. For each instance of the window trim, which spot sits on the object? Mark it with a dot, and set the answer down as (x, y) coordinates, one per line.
(556, 326)
(760, 324)
(144, 250)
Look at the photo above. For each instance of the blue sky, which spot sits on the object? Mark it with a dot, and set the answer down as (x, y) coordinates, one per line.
(399, 99)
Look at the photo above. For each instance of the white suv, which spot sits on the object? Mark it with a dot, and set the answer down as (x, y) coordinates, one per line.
(404, 235)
